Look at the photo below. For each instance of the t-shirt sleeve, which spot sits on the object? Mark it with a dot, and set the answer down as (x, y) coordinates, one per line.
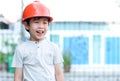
(17, 59)
(58, 58)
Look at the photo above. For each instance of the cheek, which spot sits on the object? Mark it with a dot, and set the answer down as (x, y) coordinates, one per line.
(32, 27)
(46, 29)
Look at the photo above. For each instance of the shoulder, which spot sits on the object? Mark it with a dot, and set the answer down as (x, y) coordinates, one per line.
(21, 46)
(51, 44)
(54, 47)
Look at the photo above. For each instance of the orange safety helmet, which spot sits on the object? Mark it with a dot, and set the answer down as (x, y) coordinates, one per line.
(36, 9)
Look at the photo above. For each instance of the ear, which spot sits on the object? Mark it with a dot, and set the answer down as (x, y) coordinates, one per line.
(25, 25)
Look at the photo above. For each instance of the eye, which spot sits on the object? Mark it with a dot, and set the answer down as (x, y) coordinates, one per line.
(45, 22)
(36, 22)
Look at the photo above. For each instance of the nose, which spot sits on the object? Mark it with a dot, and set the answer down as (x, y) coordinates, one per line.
(41, 25)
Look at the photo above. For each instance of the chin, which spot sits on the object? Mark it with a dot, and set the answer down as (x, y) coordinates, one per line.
(40, 39)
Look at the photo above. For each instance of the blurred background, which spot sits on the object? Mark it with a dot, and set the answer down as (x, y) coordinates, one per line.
(87, 31)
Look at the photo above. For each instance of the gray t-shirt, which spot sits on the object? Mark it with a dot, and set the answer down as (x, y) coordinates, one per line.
(37, 59)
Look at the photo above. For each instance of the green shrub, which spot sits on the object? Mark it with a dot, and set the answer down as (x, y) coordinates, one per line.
(67, 57)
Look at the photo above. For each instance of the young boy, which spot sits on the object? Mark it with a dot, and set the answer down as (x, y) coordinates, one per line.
(37, 59)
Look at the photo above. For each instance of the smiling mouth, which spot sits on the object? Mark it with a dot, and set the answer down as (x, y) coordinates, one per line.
(40, 32)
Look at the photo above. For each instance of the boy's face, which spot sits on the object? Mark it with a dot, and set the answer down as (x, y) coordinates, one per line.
(38, 27)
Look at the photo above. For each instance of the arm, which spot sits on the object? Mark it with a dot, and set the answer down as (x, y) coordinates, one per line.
(18, 74)
(58, 73)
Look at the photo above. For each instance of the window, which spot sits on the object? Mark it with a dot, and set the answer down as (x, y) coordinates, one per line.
(3, 26)
(55, 39)
(112, 51)
(79, 48)
(96, 49)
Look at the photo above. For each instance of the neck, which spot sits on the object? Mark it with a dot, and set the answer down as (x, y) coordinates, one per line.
(36, 40)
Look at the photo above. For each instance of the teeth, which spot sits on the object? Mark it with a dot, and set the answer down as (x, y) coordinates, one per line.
(40, 31)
